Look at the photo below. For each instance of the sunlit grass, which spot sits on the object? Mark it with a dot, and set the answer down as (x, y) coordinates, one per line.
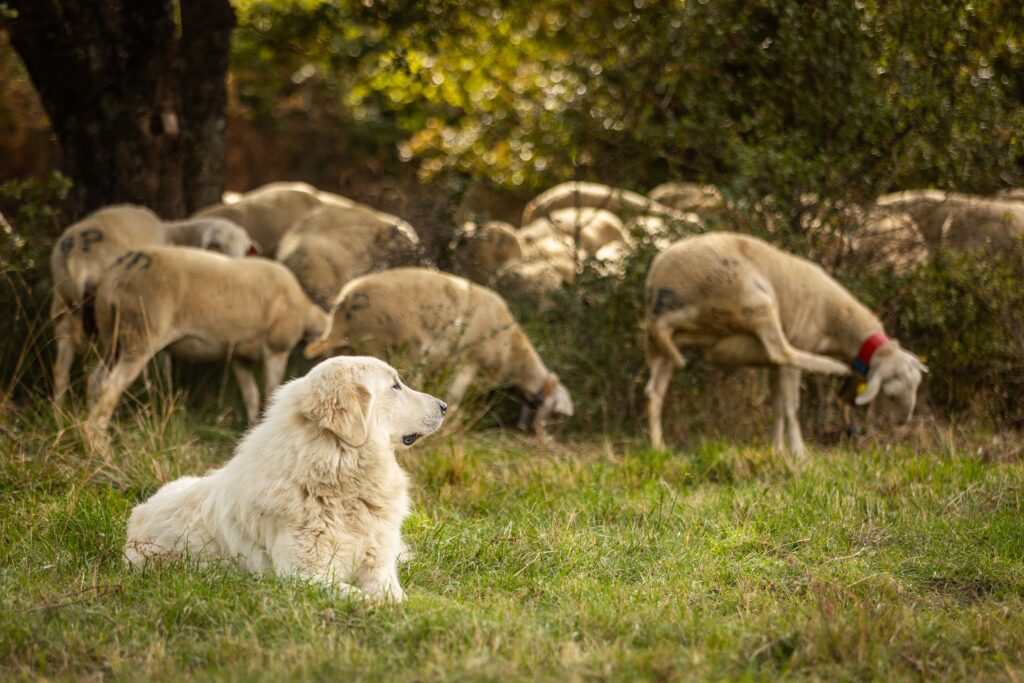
(587, 559)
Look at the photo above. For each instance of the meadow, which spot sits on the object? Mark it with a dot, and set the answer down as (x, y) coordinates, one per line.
(577, 559)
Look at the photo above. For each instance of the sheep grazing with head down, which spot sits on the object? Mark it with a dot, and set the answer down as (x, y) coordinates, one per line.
(740, 301)
(440, 319)
(87, 249)
(333, 244)
(479, 250)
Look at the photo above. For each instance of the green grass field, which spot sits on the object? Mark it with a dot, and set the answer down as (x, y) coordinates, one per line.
(577, 561)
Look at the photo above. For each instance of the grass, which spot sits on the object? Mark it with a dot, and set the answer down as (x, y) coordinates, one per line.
(594, 559)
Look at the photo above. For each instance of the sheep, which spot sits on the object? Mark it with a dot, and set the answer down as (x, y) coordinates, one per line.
(269, 211)
(553, 248)
(576, 194)
(479, 251)
(438, 318)
(333, 244)
(86, 249)
(588, 227)
(200, 306)
(741, 301)
(684, 196)
(886, 239)
(959, 221)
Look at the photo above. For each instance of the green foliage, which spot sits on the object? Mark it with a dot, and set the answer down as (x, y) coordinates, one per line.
(772, 97)
(30, 219)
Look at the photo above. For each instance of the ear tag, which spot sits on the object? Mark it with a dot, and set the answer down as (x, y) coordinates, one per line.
(861, 388)
(923, 359)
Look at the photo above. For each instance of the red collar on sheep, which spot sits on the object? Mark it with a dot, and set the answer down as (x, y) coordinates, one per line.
(863, 360)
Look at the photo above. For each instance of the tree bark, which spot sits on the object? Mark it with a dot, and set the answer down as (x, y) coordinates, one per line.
(139, 114)
(206, 27)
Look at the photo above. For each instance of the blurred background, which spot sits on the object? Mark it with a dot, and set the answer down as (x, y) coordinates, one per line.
(440, 112)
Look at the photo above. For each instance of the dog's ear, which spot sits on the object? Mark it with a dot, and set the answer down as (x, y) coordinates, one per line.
(340, 406)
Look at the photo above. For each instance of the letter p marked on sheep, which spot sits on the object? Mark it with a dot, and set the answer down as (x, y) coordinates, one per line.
(90, 236)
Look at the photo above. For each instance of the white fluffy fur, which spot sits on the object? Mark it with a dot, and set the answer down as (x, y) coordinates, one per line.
(313, 491)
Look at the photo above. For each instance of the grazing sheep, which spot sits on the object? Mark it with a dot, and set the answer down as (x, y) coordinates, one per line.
(479, 251)
(576, 194)
(959, 221)
(268, 211)
(886, 239)
(333, 244)
(200, 306)
(687, 196)
(590, 228)
(439, 318)
(741, 301)
(86, 249)
(554, 247)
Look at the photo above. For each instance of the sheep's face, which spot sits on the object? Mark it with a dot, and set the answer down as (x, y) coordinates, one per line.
(554, 398)
(229, 239)
(893, 379)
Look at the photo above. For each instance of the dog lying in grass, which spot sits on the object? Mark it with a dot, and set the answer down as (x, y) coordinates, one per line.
(313, 491)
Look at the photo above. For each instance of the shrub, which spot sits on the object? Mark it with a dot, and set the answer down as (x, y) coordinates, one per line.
(30, 219)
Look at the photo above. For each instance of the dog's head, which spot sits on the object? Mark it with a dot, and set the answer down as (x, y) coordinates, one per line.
(358, 399)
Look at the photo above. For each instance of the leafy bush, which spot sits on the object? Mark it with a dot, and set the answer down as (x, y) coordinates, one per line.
(30, 218)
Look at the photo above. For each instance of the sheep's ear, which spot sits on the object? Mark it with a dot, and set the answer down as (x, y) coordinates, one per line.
(316, 348)
(563, 401)
(871, 391)
(341, 407)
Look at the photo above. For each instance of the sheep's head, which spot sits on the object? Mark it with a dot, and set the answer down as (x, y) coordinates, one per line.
(228, 238)
(893, 378)
(553, 397)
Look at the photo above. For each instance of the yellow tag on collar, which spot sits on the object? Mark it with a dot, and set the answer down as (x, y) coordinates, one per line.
(861, 388)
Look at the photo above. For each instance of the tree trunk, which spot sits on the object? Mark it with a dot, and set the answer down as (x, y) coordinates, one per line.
(206, 47)
(133, 124)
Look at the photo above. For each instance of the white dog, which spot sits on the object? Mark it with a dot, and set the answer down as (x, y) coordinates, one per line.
(313, 491)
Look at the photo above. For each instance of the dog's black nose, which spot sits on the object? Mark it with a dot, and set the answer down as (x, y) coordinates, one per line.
(444, 407)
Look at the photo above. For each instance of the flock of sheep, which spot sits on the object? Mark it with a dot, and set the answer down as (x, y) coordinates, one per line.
(347, 276)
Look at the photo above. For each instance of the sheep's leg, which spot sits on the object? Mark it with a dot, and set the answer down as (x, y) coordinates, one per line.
(661, 368)
(786, 404)
(274, 366)
(768, 329)
(250, 390)
(96, 379)
(120, 377)
(66, 345)
(163, 362)
(463, 378)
